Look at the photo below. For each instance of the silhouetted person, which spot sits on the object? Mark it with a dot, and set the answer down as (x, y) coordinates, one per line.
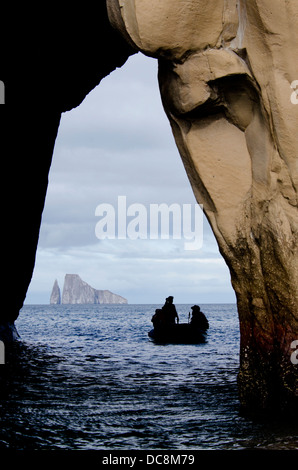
(159, 319)
(170, 310)
(198, 319)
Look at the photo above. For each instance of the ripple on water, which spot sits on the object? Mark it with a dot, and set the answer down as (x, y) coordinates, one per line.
(75, 382)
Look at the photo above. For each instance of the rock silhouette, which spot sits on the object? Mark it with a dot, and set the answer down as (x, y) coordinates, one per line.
(55, 298)
(77, 291)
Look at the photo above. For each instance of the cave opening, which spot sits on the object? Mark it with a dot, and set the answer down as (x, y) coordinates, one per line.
(118, 143)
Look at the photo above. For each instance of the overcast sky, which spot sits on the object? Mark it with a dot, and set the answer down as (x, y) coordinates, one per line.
(118, 142)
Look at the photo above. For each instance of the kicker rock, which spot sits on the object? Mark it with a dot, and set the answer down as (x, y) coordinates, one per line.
(227, 69)
(55, 298)
(77, 291)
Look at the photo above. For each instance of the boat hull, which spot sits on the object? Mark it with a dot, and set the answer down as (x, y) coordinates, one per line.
(183, 333)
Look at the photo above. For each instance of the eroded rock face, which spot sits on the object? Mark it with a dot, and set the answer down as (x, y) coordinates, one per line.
(48, 67)
(225, 73)
(55, 298)
(77, 291)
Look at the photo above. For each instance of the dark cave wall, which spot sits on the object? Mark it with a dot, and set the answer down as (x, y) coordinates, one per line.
(52, 59)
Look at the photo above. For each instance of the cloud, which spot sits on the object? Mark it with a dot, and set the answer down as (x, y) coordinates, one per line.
(119, 142)
(144, 272)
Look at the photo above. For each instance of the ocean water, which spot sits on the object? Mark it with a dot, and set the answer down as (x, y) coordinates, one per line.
(87, 377)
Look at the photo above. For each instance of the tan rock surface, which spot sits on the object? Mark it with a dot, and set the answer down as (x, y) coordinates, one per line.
(225, 70)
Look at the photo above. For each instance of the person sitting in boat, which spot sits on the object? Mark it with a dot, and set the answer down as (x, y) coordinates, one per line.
(198, 319)
(170, 310)
(159, 319)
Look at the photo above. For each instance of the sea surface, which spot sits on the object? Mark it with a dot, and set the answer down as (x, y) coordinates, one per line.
(87, 377)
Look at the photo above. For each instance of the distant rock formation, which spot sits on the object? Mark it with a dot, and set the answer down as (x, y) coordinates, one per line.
(56, 294)
(77, 291)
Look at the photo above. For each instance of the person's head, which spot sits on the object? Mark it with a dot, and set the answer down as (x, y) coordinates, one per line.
(170, 299)
(195, 308)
